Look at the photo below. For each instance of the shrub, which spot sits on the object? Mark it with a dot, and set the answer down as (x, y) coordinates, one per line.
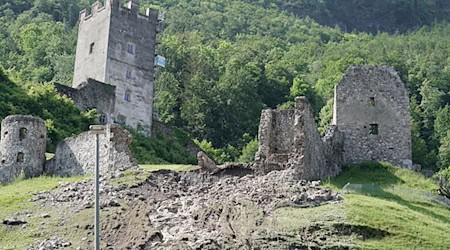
(249, 151)
(161, 148)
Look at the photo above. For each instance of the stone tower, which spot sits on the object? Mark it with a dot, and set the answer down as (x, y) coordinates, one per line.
(116, 46)
(371, 107)
(22, 147)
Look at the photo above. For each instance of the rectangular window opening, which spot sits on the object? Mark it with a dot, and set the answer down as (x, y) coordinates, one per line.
(127, 96)
(130, 48)
(129, 74)
(91, 48)
(372, 101)
(373, 129)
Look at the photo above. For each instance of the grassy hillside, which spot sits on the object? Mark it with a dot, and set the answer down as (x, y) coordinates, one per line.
(394, 210)
(397, 202)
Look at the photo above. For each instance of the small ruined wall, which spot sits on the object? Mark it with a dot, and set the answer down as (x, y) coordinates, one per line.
(289, 139)
(333, 143)
(76, 155)
(92, 94)
(372, 109)
(22, 147)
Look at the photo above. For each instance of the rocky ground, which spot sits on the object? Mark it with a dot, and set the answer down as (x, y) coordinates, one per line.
(187, 210)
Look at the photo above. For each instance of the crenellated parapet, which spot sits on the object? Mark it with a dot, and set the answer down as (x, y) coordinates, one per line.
(113, 6)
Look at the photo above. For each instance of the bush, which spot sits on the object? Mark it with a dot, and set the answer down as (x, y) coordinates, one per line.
(220, 155)
(62, 118)
(161, 148)
(249, 151)
(444, 182)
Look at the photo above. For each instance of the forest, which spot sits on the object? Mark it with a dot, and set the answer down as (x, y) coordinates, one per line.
(228, 60)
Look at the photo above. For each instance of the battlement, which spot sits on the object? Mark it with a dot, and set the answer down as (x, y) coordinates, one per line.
(131, 11)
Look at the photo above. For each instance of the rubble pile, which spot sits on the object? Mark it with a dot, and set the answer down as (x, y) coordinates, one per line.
(51, 243)
(193, 210)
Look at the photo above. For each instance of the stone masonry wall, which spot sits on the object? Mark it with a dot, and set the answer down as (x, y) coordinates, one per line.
(92, 94)
(22, 147)
(289, 139)
(128, 27)
(372, 110)
(76, 155)
(116, 45)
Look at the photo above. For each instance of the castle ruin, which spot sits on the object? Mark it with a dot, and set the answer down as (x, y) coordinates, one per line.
(371, 123)
(22, 147)
(289, 139)
(116, 48)
(23, 144)
(371, 107)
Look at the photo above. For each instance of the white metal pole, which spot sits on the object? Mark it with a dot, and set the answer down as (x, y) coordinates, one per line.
(97, 130)
(97, 194)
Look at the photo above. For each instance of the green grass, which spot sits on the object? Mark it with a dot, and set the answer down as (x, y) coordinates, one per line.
(14, 198)
(398, 204)
(411, 225)
(383, 174)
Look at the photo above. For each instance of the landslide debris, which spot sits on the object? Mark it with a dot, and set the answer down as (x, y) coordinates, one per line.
(191, 210)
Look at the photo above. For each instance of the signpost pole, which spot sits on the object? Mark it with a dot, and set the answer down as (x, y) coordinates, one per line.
(97, 130)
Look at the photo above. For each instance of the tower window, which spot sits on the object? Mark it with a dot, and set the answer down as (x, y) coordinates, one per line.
(129, 74)
(91, 48)
(372, 101)
(23, 132)
(20, 157)
(130, 48)
(103, 119)
(373, 129)
(127, 96)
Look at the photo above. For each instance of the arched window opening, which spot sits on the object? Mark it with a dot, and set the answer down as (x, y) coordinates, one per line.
(20, 157)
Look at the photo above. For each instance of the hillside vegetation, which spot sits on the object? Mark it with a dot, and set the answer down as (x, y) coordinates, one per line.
(368, 16)
(62, 118)
(227, 60)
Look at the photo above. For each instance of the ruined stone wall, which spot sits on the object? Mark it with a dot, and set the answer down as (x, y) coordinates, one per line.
(289, 139)
(22, 147)
(92, 94)
(372, 110)
(76, 155)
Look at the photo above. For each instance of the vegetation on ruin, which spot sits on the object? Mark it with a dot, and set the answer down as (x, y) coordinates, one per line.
(62, 118)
